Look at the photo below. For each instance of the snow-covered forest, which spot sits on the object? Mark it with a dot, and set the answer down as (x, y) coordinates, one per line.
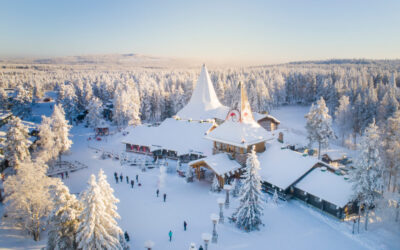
(353, 103)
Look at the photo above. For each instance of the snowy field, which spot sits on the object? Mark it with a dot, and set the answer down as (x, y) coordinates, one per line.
(290, 225)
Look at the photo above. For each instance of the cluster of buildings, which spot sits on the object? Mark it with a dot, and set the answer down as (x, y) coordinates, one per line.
(214, 139)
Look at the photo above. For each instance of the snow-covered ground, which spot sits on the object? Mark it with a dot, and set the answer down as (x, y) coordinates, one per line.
(290, 225)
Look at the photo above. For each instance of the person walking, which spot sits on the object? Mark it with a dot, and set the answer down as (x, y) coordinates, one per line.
(66, 174)
(165, 197)
(127, 179)
(157, 192)
(201, 247)
(121, 177)
(62, 175)
(116, 179)
(132, 183)
(184, 225)
(137, 178)
(126, 236)
(170, 235)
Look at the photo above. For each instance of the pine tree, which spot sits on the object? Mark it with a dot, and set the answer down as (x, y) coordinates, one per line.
(60, 128)
(97, 228)
(16, 149)
(69, 102)
(126, 106)
(63, 219)
(215, 187)
(189, 174)
(343, 116)
(275, 198)
(22, 102)
(45, 149)
(367, 177)
(248, 214)
(28, 201)
(3, 99)
(236, 187)
(319, 125)
(391, 149)
(95, 112)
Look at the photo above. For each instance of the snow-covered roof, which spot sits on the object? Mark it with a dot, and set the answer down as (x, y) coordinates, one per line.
(220, 163)
(240, 134)
(282, 167)
(327, 186)
(257, 116)
(181, 136)
(4, 114)
(204, 103)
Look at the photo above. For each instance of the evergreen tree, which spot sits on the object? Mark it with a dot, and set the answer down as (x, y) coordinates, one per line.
(391, 149)
(249, 213)
(215, 187)
(28, 201)
(63, 219)
(60, 128)
(319, 125)
(367, 177)
(69, 102)
(126, 106)
(16, 149)
(22, 102)
(3, 99)
(95, 112)
(45, 146)
(343, 116)
(97, 228)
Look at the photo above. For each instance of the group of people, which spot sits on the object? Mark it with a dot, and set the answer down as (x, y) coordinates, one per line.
(164, 195)
(66, 175)
(121, 177)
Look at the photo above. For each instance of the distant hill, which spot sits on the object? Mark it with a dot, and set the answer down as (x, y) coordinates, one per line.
(395, 62)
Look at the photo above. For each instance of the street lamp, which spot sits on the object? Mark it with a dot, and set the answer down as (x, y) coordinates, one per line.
(206, 237)
(148, 244)
(227, 189)
(221, 202)
(214, 219)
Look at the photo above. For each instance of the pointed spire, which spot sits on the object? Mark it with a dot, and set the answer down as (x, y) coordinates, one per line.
(245, 110)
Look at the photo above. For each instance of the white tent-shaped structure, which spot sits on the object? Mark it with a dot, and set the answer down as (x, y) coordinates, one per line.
(204, 103)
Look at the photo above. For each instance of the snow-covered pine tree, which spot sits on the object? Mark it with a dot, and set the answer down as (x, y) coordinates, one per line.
(367, 176)
(215, 187)
(343, 117)
(46, 150)
(391, 149)
(69, 102)
(3, 99)
(95, 112)
(248, 214)
(22, 102)
(319, 125)
(189, 174)
(110, 202)
(126, 106)
(63, 219)
(237, 184)
(97, 228)
(16, 149)
(60, 128)
(275, 197)
(28, 201)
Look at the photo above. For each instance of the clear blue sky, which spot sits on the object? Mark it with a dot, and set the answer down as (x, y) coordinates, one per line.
(259, 31)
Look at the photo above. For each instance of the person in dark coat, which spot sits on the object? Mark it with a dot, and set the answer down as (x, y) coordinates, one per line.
(127, 179)
(201, 247)
(157, 192)
(132, 183)
(165, 197)
(115, 174)
(137, 178)
(116, 178)
(121, 177)
(184, 225)
(170, 235)
(126, 236)
(66, 174)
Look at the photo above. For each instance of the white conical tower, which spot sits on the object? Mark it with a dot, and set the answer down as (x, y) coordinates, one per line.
(204, 103)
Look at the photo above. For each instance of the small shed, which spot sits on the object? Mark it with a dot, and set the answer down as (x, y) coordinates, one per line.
(266, 121)
(102, 129)
(221, 164)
